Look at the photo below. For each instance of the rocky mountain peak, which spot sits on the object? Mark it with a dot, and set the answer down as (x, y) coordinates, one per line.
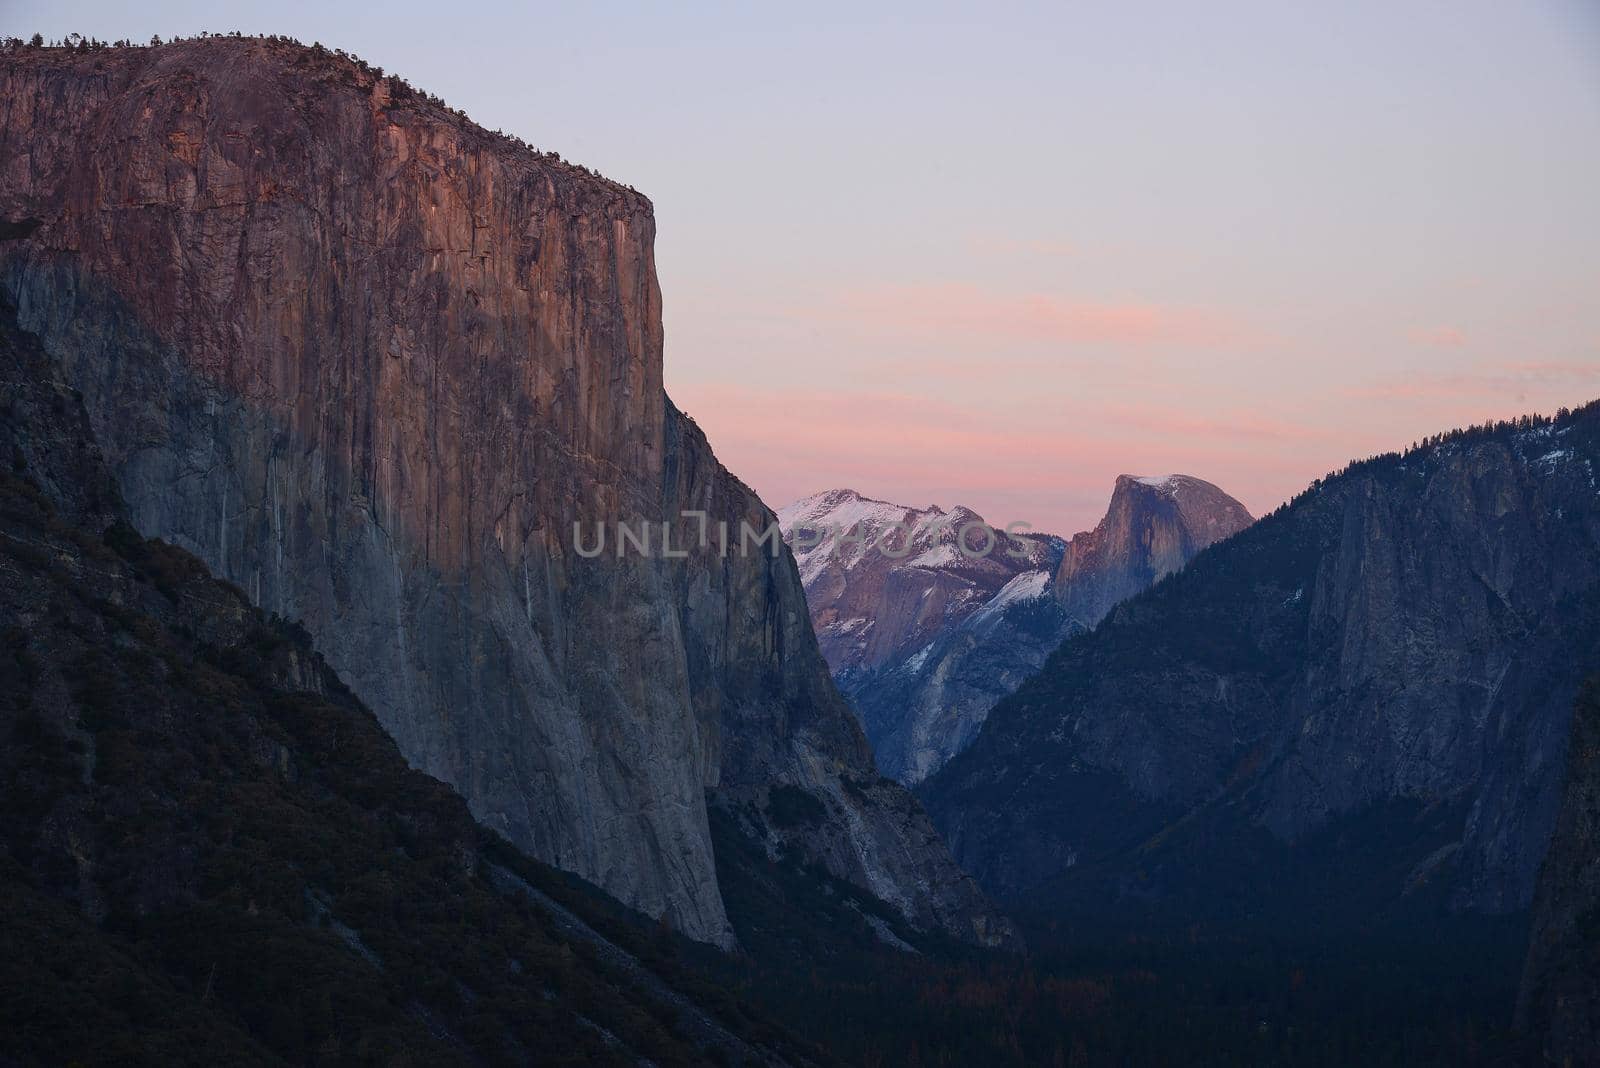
(1153, 526)
(1205, 508)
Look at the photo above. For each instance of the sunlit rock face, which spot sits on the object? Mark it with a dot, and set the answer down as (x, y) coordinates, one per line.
(372, 363)
(1154, 525)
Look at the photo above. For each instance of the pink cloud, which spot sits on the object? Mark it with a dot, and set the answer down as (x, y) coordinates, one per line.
(1049, 457)
(1491, 381)
(968, 310)
(1055, 473)
(1439, 337)
(883, 426)
(1174, 422)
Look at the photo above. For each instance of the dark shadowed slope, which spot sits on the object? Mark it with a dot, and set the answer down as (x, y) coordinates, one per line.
(1363, 697)
(1560, 999)
(211, 853)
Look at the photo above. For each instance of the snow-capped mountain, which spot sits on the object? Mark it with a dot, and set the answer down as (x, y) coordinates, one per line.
(877, 601)
(926, 637)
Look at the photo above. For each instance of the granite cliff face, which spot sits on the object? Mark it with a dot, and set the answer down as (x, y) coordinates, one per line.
(924, 641)
(1153, 526)
(211, 853)
(1560, 997)
(1380, 676)
(372, 363)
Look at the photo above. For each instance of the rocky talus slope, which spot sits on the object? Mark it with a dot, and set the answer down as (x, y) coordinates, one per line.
(1362, 698)
(371, 363)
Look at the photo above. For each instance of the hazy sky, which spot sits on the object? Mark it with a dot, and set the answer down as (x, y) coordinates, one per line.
(997, 256)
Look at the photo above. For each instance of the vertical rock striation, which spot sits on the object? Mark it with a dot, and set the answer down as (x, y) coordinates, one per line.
(214, 854)
(372, 363)
(1153, 526)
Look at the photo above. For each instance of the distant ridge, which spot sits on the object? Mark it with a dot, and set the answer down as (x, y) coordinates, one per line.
(1368, 690)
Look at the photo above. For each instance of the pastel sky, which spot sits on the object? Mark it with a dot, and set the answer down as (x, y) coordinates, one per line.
(998, 255)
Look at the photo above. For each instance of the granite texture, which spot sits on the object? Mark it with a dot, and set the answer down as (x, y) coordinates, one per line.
(372, 363)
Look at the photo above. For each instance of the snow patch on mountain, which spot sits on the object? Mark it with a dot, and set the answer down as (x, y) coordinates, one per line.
(938, 556)
(1028, 586)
